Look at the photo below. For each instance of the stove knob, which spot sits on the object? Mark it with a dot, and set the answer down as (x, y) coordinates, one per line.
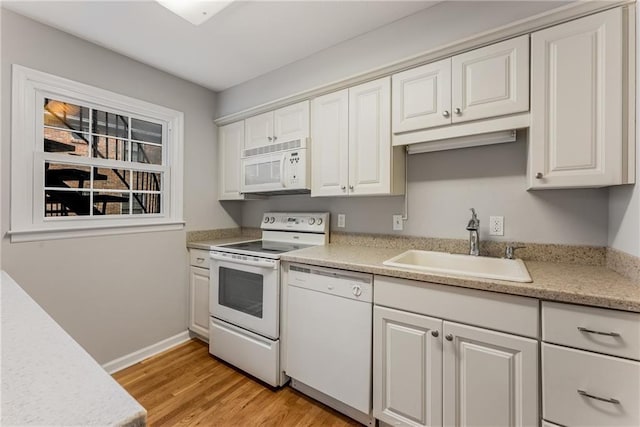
(272, 220)
(311, 221)
(266, 219)
(357, 290)
(319, 221)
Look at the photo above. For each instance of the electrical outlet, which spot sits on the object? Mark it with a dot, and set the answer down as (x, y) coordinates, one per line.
(342, 218)
(397, 223)
(496, 226)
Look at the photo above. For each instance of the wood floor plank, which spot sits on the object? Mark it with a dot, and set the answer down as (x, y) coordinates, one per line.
(186, 386)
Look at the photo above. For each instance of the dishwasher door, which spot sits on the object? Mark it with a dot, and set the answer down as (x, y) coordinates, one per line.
(329, 324)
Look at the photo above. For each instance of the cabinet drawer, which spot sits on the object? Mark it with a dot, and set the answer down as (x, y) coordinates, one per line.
(584, 327)
(199, 258)
(565, 371)
(501, 312)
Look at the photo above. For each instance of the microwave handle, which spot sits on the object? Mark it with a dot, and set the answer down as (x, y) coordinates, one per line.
(283, 182)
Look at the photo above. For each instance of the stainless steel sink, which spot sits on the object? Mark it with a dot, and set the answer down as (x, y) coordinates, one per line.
(512, 270)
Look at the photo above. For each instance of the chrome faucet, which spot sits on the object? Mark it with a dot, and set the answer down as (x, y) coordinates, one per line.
(474, 237)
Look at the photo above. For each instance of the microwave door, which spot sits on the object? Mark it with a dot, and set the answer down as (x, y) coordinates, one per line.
(262, 173)
(283, 163)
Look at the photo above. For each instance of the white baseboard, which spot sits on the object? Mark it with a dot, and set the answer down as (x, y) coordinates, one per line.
(144, 353)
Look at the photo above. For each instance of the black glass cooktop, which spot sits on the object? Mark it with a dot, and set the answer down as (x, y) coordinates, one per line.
(264, 246)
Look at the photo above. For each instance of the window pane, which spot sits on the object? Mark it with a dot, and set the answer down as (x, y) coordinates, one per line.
(146, 153)
(109, 148)
(105, 203)
(66, 203)
(146, 203)
(62, 141)
(146, 131)
(65, 115)
(111, 179)
(67, 176)
(146, 181)
(110, 124)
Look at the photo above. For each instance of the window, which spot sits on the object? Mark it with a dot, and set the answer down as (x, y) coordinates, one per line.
(86, 161)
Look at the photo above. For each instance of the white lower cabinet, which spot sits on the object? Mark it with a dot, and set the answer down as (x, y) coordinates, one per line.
(433, 372)
(584, 381)
(199, 293)
(407, 363)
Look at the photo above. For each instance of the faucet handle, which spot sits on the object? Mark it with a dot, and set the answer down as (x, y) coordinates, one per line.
(509, 251)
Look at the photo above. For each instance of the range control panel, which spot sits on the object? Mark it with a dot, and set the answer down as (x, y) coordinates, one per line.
(310, 222)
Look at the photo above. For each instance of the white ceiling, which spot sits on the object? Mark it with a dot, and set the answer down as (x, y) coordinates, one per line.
(245, 40)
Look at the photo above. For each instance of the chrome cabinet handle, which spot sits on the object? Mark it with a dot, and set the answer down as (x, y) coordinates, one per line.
(351, 187)
(445, 113)
(449, 337)
(591, 331)
(539, 175)
(435, 333)
(457, 111)
(200, 259)
(269, 138)
(343, 188)
(275, 137)
(602, 399)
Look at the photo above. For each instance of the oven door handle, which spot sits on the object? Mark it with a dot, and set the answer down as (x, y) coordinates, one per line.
(262, 263)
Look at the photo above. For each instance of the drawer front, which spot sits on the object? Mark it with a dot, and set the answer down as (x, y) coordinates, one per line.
(507, 313)
(597, 329)
(199, 258)
(565, 371)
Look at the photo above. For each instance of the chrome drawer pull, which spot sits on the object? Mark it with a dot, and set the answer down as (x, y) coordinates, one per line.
(602, 399)
(200, 259)
(591, 331)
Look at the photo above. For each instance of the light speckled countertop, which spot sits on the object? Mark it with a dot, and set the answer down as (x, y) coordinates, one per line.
(206, 245)
(48, 379)
(572, 283)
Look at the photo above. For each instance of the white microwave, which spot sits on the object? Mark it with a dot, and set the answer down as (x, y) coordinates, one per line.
(276, 168)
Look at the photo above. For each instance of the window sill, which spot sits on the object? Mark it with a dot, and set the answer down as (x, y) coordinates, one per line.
(34, 235)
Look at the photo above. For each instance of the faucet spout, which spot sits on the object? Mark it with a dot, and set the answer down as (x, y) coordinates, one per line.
(474, 237)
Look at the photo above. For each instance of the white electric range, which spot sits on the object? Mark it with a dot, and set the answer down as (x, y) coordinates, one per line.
(244, 295)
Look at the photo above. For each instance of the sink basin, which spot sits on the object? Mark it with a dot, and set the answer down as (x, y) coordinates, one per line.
(512, 270)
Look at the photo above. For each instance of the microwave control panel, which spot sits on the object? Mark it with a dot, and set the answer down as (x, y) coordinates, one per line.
(295, 169)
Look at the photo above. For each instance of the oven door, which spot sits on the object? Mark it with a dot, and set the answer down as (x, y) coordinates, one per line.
(245, 291)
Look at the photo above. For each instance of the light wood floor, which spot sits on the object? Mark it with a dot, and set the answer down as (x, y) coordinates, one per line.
(185, 386)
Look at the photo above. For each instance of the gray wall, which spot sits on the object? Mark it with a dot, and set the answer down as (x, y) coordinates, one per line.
(114, 294)
(624, 201)
(442, 186)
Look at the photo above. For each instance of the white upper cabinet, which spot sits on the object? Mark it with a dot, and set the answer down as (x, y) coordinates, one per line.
(483, 83)
(282, 125)
(422, 97)
(578, 104)
(491, 81)
(230, 144)
(330, 151)
(351, 143)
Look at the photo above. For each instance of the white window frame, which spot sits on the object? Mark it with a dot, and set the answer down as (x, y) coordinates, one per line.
(27, 176)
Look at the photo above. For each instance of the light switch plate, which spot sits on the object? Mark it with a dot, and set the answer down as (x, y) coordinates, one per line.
(342, 218)
(398, 224)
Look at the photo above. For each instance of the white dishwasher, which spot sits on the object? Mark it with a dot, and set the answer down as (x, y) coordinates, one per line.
(329, 334)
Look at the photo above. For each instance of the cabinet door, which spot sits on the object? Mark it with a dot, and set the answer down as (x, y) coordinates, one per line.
(421, 97)
(230, 143)
(407, 368)
(258, 130)
(370, 138)
(576, 137)
(490, 378)
(199, 301)
(491, 81)
(291, 123)
(330, 144)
